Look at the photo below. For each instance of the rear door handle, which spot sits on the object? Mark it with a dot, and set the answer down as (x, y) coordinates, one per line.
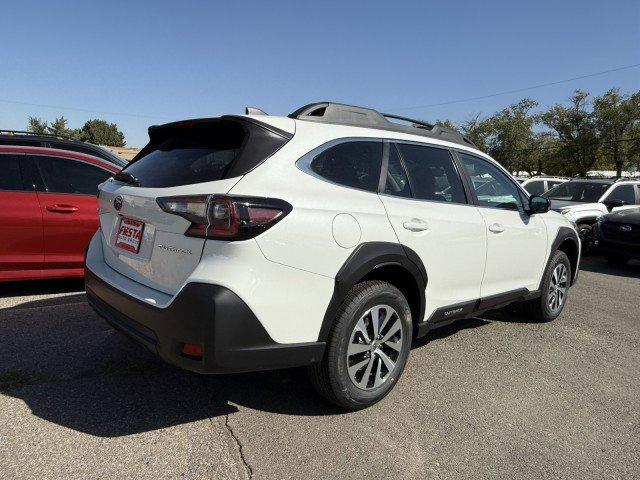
(62, 208)
(416, 225)
(496, 228)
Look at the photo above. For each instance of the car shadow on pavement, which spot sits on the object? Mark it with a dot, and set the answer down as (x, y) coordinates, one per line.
(71, 369)
(598, 264)
(448, 330)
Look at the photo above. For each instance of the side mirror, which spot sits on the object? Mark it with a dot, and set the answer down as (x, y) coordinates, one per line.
(613, 203)
(538, 204)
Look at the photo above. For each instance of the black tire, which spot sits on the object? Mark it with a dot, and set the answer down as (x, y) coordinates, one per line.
(331, 376)
(585, 231)
(538, 309)
(617, 259)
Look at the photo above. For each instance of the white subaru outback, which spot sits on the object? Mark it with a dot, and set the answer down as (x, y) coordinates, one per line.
(329, 238)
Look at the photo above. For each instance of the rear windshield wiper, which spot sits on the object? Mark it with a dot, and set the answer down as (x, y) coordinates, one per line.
(126, 177)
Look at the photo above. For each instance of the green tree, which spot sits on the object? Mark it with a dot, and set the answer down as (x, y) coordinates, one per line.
(102, 133)
(511, 139)
(575, 129)
(37, 125)
(59, 128)
(477, 130)
(615, 116)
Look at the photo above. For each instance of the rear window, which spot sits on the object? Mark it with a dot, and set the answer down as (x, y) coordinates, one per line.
(198, 152)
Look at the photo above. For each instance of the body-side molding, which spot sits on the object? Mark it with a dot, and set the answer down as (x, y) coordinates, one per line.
(445, 315)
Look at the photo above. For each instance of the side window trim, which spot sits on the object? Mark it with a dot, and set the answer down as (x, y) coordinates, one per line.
(384, 168)
(523, 193)
(467, 183)
(304, 162)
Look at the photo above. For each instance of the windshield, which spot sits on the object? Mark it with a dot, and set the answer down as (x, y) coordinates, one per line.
(584, 192)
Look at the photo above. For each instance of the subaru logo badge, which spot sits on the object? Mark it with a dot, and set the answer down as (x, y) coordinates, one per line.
(117, 202)
(625, 228)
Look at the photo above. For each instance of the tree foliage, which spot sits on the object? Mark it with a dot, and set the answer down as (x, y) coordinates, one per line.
(565, 139)
(37, 125)
(615, 117)
(95, 131)
(102, 133)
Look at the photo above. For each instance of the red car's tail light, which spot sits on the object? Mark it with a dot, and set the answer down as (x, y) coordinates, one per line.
(226, 217)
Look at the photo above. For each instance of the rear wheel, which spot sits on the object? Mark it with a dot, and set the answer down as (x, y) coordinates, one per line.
(555, 286)
(367, 347)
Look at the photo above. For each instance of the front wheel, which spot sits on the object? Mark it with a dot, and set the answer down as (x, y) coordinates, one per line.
(367, 347)
(555, 287)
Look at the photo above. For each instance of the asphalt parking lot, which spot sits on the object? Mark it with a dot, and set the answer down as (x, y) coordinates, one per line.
(488, 397)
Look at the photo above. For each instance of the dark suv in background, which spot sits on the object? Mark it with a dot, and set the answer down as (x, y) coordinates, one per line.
(617, 236)
(30, 139)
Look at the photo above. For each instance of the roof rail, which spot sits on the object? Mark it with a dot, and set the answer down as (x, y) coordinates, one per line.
(33, 134)
(338, 113)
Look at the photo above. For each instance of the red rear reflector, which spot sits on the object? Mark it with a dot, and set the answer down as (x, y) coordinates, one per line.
(192, 350)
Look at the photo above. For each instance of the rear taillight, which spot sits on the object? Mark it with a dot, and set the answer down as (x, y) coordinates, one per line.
(226, 217)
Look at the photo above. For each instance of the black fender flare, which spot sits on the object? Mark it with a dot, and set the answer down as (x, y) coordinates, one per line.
(564, 234)
(364, 259)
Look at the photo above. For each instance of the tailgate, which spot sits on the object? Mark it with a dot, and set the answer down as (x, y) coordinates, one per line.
(165, 257)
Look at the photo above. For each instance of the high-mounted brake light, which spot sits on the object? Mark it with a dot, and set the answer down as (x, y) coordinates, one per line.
(226, 217)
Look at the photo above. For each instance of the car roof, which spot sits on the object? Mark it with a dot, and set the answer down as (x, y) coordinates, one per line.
(28, 139)
(593, 180)
(57, 152)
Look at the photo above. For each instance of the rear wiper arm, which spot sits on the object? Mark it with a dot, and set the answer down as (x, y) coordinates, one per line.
(126, 177)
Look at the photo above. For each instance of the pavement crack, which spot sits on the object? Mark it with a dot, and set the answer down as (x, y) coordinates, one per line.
(240, 447)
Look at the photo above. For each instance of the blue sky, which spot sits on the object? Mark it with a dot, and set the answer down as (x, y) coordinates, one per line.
(140, 63)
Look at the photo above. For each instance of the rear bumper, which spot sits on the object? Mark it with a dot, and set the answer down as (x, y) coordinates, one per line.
(209, 315)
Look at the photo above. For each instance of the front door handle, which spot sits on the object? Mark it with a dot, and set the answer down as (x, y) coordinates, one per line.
(416, 225)
(496, 228)
(62, 208)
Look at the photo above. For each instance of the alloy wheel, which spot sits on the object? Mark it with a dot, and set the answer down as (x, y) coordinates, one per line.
(558, 288)
(374, 347)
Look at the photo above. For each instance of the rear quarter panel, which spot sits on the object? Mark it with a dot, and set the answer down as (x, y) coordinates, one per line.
(327, 221)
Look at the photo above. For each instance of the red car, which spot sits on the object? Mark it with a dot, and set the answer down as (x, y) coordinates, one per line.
(49, 210)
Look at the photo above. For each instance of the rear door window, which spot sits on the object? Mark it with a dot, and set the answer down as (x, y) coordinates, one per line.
(624, 193)
(63, 175)
(432, 174)
(354, 164)
(10, 178)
